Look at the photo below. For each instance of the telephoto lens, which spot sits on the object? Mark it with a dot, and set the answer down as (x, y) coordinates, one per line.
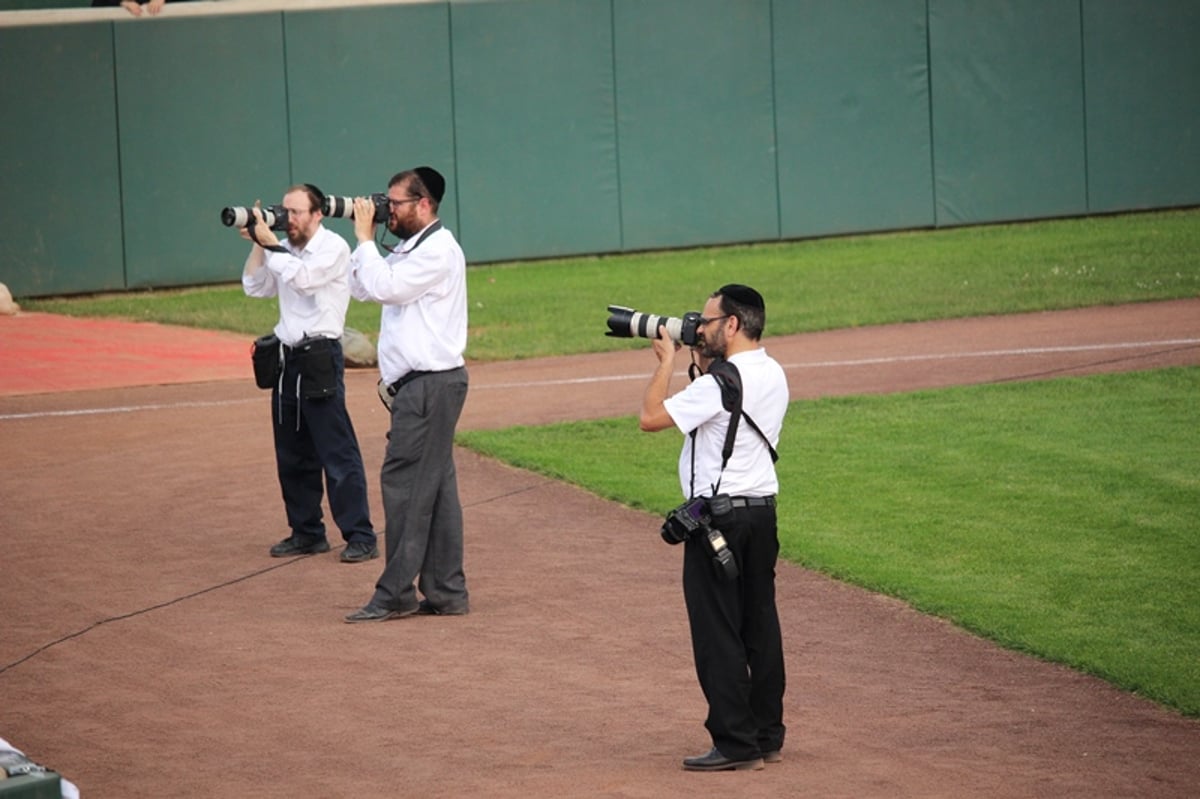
(343, 207)
(626, 323)
(275, 216)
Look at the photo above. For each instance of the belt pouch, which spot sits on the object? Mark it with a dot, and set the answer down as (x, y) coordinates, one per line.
(318, 374)
(720, 508)
(265, 357)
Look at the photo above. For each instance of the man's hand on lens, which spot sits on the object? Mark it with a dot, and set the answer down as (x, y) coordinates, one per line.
(263, 235)
(664, 347)
(245, 232)
(364, 219)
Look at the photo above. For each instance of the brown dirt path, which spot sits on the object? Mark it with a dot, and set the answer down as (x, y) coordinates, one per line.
(150, 647)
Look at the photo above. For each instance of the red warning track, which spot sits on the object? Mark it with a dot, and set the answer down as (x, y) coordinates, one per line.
(42, 352)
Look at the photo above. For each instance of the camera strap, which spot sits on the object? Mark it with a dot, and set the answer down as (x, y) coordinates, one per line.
(429, 231)
(729, 381)
(272, 247)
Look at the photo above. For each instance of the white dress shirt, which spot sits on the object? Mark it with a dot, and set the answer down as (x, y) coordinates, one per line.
(311, 284)
(422, 285)
(750, 471)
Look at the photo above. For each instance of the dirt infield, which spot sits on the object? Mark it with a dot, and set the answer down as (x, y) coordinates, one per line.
(151, 648)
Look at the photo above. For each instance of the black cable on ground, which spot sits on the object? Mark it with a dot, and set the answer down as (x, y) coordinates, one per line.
(202, 591)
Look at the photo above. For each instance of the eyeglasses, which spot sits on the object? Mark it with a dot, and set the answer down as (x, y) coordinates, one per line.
(705, 322)
(394, 204)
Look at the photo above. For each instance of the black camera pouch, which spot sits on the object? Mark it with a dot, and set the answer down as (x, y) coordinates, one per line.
(265, 357)
(318, 373)
(720, 509)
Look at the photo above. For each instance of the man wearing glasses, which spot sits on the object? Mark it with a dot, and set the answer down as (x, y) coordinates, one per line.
(734, 623)
(314, 438)
(422, 285)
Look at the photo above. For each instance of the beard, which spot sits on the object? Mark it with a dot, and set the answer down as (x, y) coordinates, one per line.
(402, 228)
(713, 349)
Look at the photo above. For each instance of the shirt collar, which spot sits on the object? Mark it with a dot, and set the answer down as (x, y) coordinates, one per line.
(412, 241)
(308, 245)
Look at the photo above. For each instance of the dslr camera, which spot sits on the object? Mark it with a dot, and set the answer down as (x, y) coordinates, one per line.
(276, 216)
(694, 518)
(343, 207)
(627, 323)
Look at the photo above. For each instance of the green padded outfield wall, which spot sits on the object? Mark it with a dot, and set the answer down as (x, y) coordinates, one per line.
(1143, 112)
(852, 115)
(369, 94)
(1007, 99)
(579, 126)
(695, 122)
(61, 205)
(26, 5)
(537, 156)
(202, 105)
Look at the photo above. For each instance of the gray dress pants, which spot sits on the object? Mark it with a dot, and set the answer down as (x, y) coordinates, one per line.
(424, 520)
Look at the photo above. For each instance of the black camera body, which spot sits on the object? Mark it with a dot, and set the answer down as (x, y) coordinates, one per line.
(682, 522)
(276, 216)
(694, 517)
(343, 207)
(627, 323)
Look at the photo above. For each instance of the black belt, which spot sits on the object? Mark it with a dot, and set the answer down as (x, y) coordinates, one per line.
(753, 502)
(394, 388)
(304, 344)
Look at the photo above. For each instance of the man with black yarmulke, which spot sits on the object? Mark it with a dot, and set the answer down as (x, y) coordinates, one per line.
(422, 285)
(734, 622)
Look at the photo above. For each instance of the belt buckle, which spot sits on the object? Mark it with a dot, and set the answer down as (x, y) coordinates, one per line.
(386, 394)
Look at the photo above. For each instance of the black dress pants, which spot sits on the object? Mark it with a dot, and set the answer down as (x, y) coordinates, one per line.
(736, 640)
(315, 446)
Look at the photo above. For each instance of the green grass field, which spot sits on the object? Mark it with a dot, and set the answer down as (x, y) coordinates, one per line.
(1059, 518)
(559, 307)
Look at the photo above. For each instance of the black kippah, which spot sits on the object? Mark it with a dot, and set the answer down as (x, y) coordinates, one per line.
(743, 295)
(320, 195)
(433, 181)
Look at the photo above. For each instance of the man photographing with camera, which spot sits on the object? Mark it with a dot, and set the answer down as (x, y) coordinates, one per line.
(734, 623)
(303, 365)
(422, 286)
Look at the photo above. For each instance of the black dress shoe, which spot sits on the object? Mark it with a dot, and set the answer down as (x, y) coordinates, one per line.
(359, 551)
(294, 545)
(715, 761)
(427, 608)
(372, 612)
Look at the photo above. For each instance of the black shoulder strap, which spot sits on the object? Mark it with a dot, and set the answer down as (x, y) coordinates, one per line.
(272, 247)
(429, 231)
(729, 379)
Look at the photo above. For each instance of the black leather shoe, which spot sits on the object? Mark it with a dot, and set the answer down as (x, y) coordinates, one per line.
(372, 612)
(715, 761)
(426, 608)
(293, 545)
(359, 551)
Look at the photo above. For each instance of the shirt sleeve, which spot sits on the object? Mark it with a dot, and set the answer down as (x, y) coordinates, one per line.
(362, 261)
(324, 265)
(696, 404)
(402, 281)
(260, 284)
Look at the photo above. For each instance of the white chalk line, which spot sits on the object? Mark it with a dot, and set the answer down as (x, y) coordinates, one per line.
(876, 361)
(163, 406)
(1024, 351)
